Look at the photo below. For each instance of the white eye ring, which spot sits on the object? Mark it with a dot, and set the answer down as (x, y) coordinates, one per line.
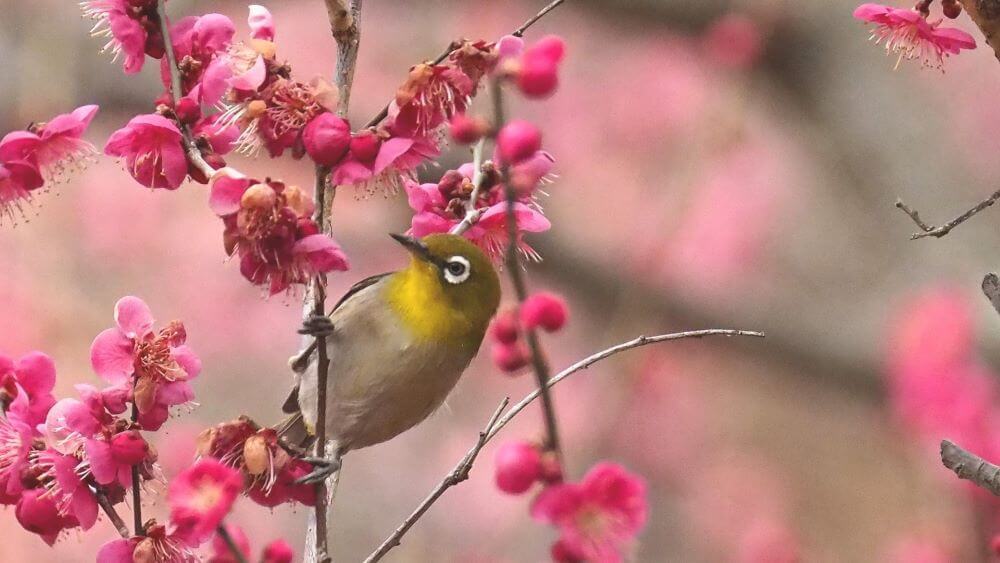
(456, 270)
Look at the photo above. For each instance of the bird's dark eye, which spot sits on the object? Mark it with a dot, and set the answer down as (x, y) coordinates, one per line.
(456, 270)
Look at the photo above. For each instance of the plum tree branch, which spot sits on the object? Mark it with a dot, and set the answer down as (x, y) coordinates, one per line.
(938, 232)
(986, 15)
(970, 467)
(384, 112)
(462, 469)
(109, 509)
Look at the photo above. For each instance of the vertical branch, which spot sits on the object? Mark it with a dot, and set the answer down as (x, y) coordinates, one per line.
(136, 489)
(344, 25)
(514, 270)
(234, 549)
(109, 509)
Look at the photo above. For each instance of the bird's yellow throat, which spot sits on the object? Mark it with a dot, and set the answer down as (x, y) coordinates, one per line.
(417, 295)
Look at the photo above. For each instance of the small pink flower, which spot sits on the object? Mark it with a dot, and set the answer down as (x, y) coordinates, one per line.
(131, 28)
(518, 141)
(111, 460)
(599, 516)
(37, 513)
(518, 465)
(27, 386)
(269, 226)
(156, 365)
(62, 478)
(201, 496)
(152, 149)
(544, 310)
(278, 551)
(467, 130)
(204, 41)
(18, 178)
(382, 161)
(55, 147)
(15, 443)
(908, 34)
(327, 138)
(505, 328)
(510, 358)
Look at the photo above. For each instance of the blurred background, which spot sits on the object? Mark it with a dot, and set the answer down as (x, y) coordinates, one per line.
(722, 164)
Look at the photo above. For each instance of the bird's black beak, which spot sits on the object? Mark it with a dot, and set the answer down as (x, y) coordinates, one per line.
(415, 247)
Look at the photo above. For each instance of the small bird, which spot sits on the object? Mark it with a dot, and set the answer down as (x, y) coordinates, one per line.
(397, 344)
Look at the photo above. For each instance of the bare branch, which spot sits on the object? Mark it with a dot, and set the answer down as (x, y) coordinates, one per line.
(458, 474)
(109, 509)
(461, 471)
(384, 112)
(938, 232)
(471, 213)
(971, 467)
(231, 544)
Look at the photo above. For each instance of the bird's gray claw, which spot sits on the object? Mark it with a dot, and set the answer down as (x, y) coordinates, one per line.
(317, 325)
(322, 469)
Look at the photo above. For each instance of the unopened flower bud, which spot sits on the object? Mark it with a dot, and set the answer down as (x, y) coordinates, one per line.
(278, 551)
(544, 310)
(952, 9)
(467, 130)
(518, 465)
(518, 141)
(129, 447)
(327, 138)
(188, 110)
(504, 328)
(510, 357)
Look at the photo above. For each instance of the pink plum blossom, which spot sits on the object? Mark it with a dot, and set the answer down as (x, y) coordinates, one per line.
(327, 138)
(18, 178)
(261, 23)
(156, 366)
(63, 481)
(15, 443)
(131, 27)
(278, 551)
(517, 466)
(152, 149)
(38, 513)
(538, 73)
(599, 516)
(269, 226)
(201, 496)
(519, 140)
(157, 546)
(544, 310)
(908, 34)
(56, 147)
(27, 386)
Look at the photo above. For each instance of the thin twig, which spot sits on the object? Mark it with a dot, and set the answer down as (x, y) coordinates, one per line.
(136, 488)
(109, 509)
(457, 475)
(938, 232)
(496, 424)
(345, 27)
(514, 270)
(384, 112)
(471, 212)
(969, 466)
(177, 91)
(231, 544)
(519, 32)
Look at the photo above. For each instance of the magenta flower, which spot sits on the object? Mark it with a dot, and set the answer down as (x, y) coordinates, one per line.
(382, 162)
(599, 516)
(538, 74)
(27, 386)
(157, 546)
(439, 207)
(278, 551)
(201, 497)
(261, 23)
(152, 149)
(38, 513)
(518, 465)
(112, 457)
(18, 178)
(908, 34)
(544, 310)
(131, 28)
(63, 480)
(55, 147)
(15, 443)
(203, 40)
(269, 226)
(327, 138)
(155, 365)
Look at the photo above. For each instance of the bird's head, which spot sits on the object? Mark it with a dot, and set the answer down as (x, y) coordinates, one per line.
(449, 289)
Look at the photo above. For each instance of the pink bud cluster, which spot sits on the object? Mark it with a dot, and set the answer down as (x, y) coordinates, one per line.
(44, 153)
(534, 70)
(546, 311)
(269, 225)
(597, 517)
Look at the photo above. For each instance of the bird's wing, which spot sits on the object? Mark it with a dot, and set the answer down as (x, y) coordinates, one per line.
(291, 404)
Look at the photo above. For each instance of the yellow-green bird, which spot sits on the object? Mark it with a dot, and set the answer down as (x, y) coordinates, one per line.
(397, 346)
